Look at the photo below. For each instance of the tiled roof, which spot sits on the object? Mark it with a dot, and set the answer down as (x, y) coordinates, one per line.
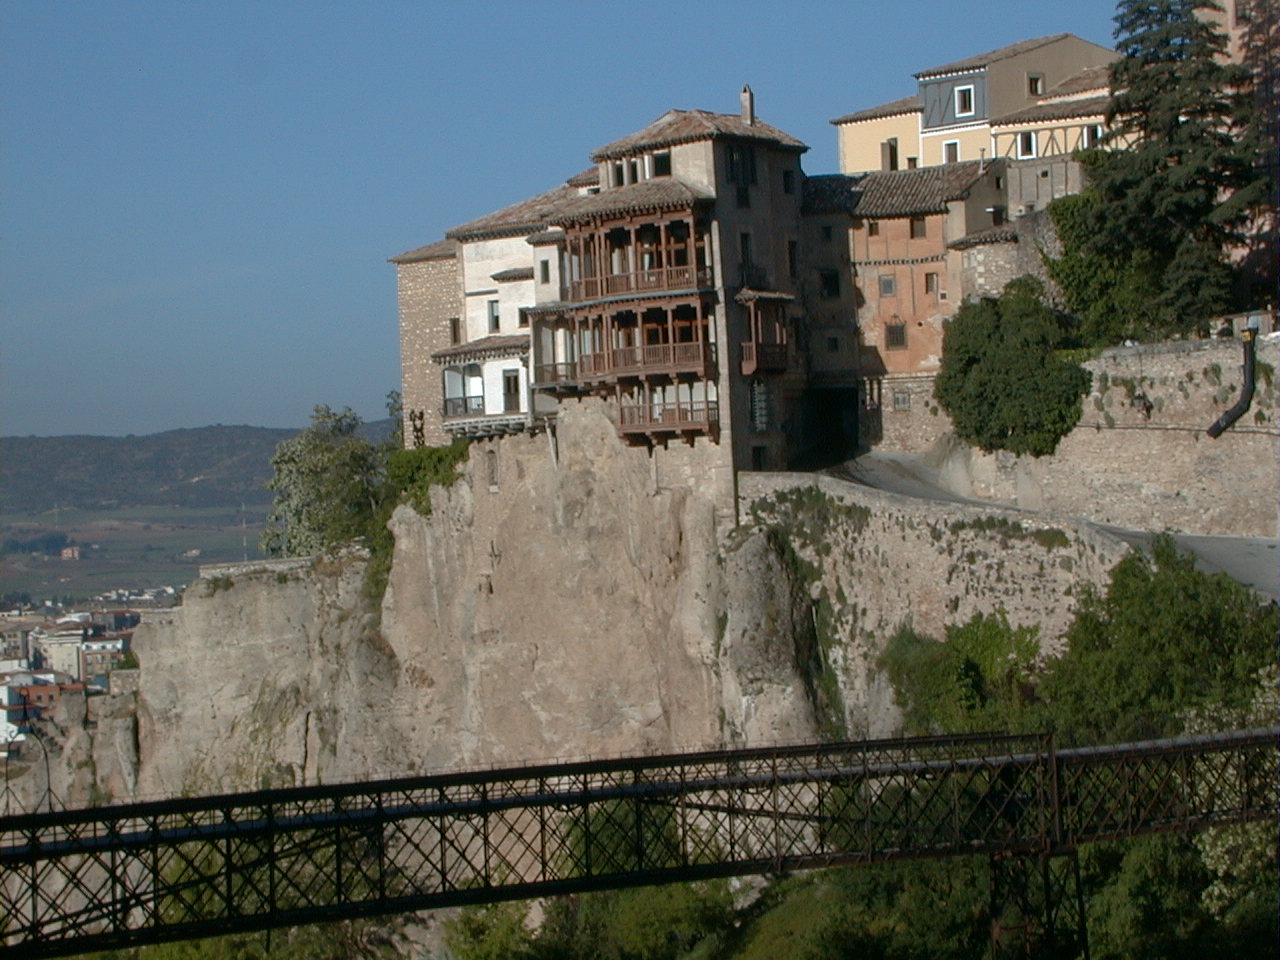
(505, 344)
(1057, 110)
(524, 217)
(687, 126)
(984, 59)
(832, 193)
(440, 250)
(544, 237)
(589, 177)
(911, 104)
(515, 273)
(906, 193)
(661, 193)
(1090, 78)
(1002, 234)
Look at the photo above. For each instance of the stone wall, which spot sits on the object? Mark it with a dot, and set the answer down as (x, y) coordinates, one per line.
(1140, 457)
(899, 413)
(429, 297)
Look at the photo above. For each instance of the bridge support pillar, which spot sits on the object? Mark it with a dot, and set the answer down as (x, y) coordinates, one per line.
(1037, 907)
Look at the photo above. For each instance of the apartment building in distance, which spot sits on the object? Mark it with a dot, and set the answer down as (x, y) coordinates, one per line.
(952, 116)
(675, 279)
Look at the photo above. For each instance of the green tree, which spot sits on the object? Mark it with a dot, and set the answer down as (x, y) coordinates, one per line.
(1163, 639)
(327, 486)
(1000, 380)
(1176, 182)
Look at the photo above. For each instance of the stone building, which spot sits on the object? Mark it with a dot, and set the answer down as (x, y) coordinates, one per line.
(670, 281)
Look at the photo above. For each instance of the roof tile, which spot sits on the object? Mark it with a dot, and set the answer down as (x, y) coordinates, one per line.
(911, 104)
(662, 193)
(440, 250)
(688, 126)
(991, 56)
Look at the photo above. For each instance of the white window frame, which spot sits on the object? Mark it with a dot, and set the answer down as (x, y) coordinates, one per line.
(947, 143)
(1035, 144)
(973, 101)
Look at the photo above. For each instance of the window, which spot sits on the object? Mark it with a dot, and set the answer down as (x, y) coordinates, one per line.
(510, 391)
(760, 404)
(1035, 84)
(913, 162)
(742, 163)
(633, 171)
(455, 331)
(1093, 135)
(524, 317)
(888, 286)
(792, 266)
(830, 282)
(617, 174)
(662, 164)
(917, 228)
(895, 336)
(951, 151)
(889, 154)
(491, 468)
(1026, 144)
(930, 283)
(873, 228)
(902, 399)
(494, 317)
(544, 271)
(964, 101)
(744, 252)
(788, 181)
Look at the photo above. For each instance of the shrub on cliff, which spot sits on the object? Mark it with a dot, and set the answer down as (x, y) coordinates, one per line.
(1001, 382)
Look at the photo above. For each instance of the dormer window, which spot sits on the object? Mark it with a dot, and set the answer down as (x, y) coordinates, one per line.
(617, 174)
(662, 164)
(964, 101)
(1035, 84)
(633, 171)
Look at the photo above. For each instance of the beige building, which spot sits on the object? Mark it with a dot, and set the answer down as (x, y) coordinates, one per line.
(956, 103)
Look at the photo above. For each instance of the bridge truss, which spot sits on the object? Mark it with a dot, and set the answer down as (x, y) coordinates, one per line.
(79, 880)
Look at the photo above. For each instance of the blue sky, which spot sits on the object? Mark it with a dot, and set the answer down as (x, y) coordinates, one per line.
(197, 199)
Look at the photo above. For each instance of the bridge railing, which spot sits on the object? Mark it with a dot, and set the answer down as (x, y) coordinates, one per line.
(77, 880)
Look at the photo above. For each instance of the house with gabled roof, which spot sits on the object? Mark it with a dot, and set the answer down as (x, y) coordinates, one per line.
(949, 119)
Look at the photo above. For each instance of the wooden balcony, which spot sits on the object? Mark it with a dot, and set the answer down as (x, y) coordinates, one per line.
(651, 361)
(656, 419)
(763, 358)
(644, 281)
(555, 376)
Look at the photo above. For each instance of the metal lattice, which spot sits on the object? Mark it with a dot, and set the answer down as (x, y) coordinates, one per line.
(78, 880)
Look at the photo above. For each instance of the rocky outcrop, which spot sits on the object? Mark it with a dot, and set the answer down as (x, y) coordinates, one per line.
(560, 602)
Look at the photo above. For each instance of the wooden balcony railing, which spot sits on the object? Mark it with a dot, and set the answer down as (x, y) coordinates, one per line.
(464, 406)
(662, 278)
(763, 358)
(555, 374)
(673, 417)
(650, 360)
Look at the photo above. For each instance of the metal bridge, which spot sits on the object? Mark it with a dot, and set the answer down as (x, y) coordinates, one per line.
(79, 880)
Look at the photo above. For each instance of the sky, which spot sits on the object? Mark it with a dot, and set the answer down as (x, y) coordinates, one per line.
(198, 199)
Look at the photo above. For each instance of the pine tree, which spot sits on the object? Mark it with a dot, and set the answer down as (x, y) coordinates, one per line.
(1178, 180)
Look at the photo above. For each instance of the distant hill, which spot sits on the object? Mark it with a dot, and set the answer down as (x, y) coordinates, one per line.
(201, 467)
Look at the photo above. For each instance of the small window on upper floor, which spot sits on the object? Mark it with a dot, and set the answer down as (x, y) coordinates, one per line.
(895, 336)
(931, 283)
(1035, 84)
(1093, 135)
(917, 228)
(1026, 144)
(662, 164)
(888, 285)
(913, 163)
(633, 171)
(964, 102)
(524, 317)
(495, 321)
(455, 331)
(873, 228)
(788, 181)
(544, 271)
(617, 174)
(951, 151)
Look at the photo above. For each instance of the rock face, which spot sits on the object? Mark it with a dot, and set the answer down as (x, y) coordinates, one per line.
(559, 602)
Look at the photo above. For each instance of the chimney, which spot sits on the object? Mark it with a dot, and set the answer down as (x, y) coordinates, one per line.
(748, 106)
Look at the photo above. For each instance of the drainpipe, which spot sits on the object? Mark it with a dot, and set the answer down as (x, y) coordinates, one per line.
(1247, 337)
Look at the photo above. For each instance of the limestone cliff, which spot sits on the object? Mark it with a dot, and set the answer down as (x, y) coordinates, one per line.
(562, 601)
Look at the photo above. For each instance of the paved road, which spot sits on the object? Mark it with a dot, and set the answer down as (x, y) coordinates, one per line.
(1253, 561)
